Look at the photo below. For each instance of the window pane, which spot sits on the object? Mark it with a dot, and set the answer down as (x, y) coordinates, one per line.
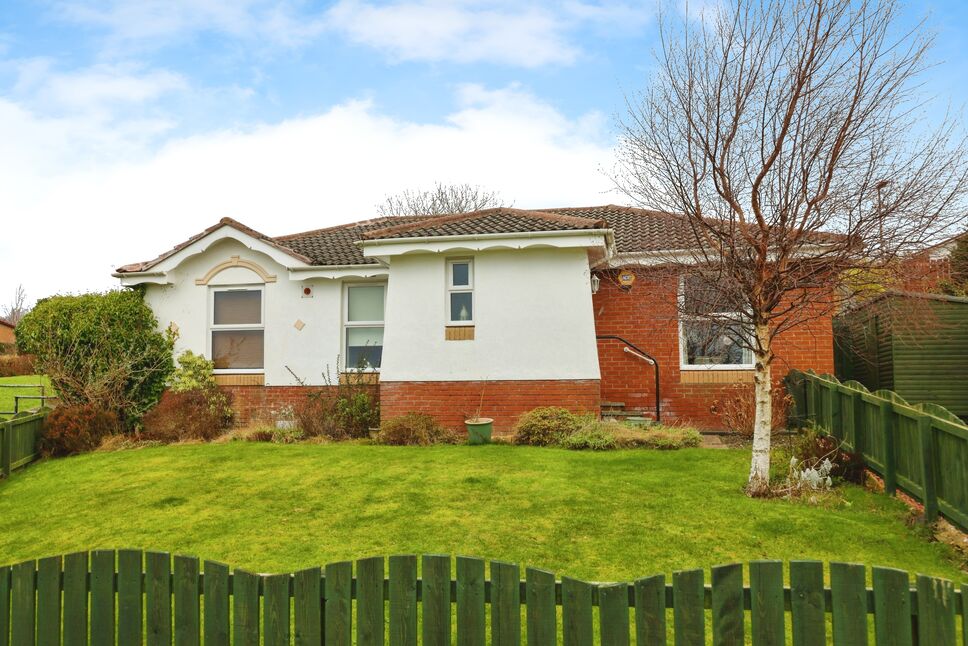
(461, 306)
(461, 274)
(242, 307)
(365, 303)
(711, 343)
(238, 349)
(700, 297)
(364, 347)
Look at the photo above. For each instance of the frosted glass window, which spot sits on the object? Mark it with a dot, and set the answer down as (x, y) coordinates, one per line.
(238, 307)
(365, 303)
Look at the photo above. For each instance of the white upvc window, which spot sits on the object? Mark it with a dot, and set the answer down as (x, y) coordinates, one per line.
(710, 337)
(460, 291)
(363, 322)
(236, 339)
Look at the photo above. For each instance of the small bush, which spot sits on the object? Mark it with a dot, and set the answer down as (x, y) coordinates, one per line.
(736, 408)
(813, 447)
(287, 435)
(189, 415)
(414, 429)
(546, 426)
(69, 430)
(194, 372)
(596, 436)
(16, 365)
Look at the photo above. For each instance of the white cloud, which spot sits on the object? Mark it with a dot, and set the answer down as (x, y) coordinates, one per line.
(67, 224)
(524, 34)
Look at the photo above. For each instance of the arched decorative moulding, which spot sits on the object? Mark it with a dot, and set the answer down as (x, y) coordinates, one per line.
(236, 261)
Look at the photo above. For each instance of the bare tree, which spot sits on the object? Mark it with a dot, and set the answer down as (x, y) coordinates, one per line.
(17, 307)
(440, 200)
(790, 135)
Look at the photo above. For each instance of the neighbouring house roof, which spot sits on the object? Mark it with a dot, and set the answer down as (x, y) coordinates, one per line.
(6, 323)
(634, 229)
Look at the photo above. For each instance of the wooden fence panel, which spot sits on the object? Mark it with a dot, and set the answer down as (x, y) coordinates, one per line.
(338, 593)
(245, 609)
(130, 607)
(471, 617)
(892, 607)
(369, 602)
(23, 615)
(766, 603)
(158, 599)
(403, 600)
(922, 448)
(727, 605)
(75, 599)
(49, 601)
(132, 598)
(688, 613)
(542, 612)
(807, 605)
(185, 588)
(505, 604)
(650, 610)
(18, 442)
(215, 591)
(576, 609)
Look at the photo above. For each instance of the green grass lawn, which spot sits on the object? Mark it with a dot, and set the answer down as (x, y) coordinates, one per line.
(598, 516)
(7, 394)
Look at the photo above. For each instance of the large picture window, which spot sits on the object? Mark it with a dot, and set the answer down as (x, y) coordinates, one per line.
(460, 292)
(237, 329)
(711, 336)
(364, 326)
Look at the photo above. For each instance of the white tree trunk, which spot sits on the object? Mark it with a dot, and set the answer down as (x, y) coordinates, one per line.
(763, 420)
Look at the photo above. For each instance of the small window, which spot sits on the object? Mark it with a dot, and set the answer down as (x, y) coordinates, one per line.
(364, 326)
(237, 330)
(710, 337)
(460, 292)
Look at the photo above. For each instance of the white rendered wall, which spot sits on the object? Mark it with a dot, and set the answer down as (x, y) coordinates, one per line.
(306, 351)
(533, 318)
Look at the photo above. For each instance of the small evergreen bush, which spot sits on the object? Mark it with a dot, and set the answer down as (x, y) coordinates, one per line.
(546, 426)
(188, 415)
(596, 436)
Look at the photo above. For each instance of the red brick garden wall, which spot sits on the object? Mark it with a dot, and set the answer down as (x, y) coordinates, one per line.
(646, 315)
(261, 404)
(453, 401)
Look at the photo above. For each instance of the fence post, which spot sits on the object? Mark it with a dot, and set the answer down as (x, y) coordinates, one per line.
(6, 448)
(927, 470)
(890, 456)
(857, 420)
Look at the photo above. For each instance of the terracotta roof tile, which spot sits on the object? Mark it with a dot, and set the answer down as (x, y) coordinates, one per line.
(488, 221)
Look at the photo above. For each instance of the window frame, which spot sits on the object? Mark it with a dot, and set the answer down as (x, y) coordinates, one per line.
(347, 324)
(212, 327)
(683, 350)
(460, 289)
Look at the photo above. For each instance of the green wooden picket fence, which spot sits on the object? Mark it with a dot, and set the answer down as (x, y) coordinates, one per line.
(920, 448)
(18, 442)
(131, 597)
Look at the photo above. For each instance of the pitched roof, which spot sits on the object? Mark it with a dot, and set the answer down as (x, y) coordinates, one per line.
(6, 323)
(489, 221)
(235, 224)
(635, 230)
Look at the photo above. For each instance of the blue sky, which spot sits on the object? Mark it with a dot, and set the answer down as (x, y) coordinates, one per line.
(130, 124)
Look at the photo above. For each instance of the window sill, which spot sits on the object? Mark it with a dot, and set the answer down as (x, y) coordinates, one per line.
(717, 376)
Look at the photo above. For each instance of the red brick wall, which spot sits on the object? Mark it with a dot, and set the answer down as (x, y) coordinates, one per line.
(646, 315)
(453, 401)
(261, 404)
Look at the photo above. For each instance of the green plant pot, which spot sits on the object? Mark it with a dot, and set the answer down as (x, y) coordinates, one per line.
(479, 430)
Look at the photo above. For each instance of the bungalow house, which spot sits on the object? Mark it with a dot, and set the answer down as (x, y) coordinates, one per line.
(504, 306)
(8, 339)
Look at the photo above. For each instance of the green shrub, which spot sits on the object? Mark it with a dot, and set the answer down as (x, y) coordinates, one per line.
(101, 349)
(69, 430)
(343, 409)
(414, 429)
(546, 426)
(194, 372)
(596, 436)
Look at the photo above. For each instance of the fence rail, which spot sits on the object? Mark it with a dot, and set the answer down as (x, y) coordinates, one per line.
(18, 442)
(920, 448)
(133, 597)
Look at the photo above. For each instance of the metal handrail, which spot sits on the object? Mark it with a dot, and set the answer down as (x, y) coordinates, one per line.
(642, 354)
